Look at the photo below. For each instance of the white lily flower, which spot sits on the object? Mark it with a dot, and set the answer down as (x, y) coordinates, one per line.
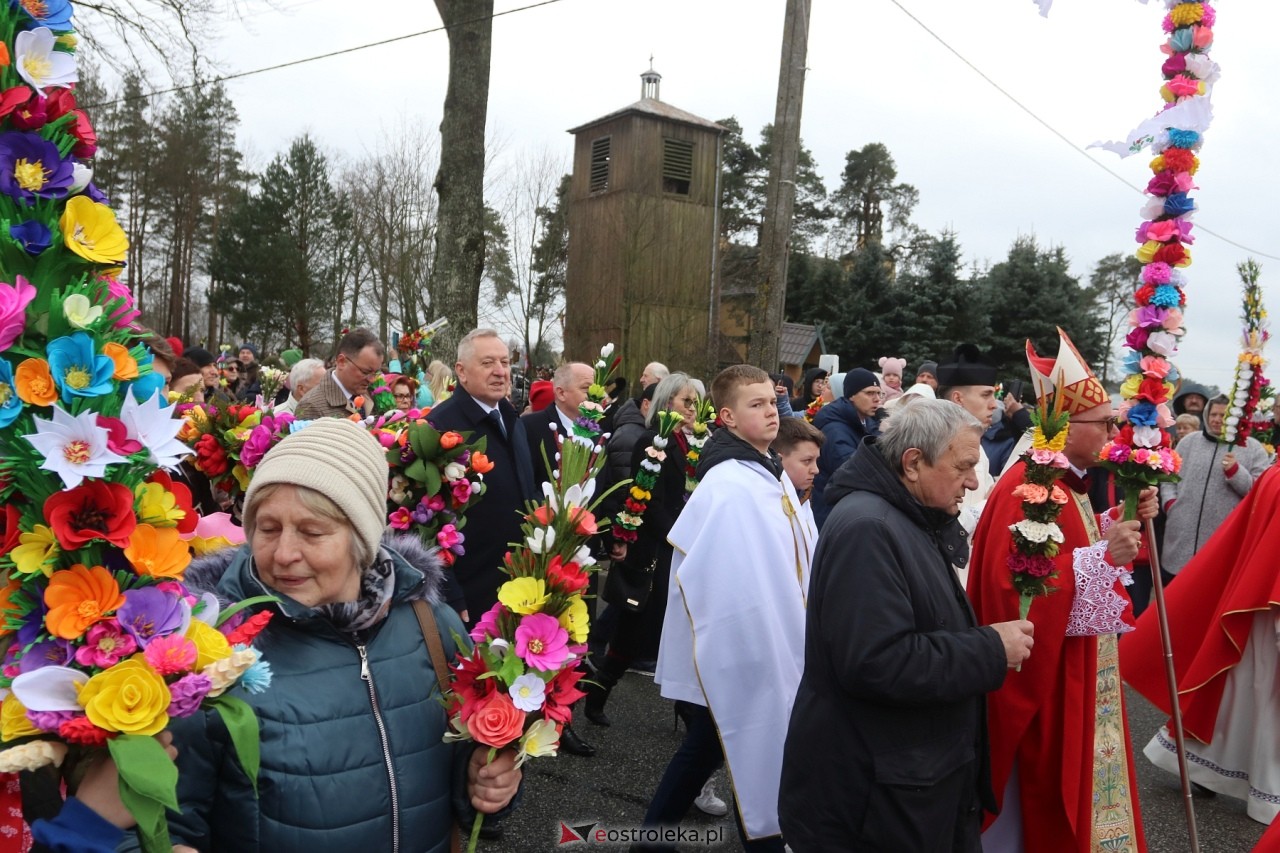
(606, 350)
(156, 428)
(553, 500)
(74, 446)
(50, 688)
(542, 540)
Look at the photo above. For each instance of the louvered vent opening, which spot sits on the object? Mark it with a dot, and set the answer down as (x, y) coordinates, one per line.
(677, 166)
(600, 164)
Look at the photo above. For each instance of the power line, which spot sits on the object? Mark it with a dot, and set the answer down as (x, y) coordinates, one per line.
(1104, 167)
(317, 57)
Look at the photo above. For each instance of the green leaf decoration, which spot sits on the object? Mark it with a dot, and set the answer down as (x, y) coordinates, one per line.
(242, 725)
(424, 440)
(241, 605)
(148, 784)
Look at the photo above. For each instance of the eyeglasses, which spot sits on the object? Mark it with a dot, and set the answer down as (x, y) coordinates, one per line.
(1112, 423)
(404, 396)
(365, 372)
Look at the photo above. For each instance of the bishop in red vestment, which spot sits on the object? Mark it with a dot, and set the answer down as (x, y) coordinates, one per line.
(1061, 762)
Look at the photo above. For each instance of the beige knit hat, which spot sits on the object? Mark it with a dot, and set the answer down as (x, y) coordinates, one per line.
(339, 460)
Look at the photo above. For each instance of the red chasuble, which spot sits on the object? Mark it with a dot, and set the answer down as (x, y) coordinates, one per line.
(1062, 717)
(1211, 611)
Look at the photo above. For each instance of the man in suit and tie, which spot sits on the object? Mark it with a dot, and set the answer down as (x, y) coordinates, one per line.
(570, 385)
(479, 407)
(359, 360)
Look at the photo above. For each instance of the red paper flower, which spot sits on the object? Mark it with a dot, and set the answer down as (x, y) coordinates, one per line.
(562, 692)
(1172, 254)
(496, 721)
(566, 577)
(469, 688)
(211, 459)
(1153, 390)
(79, 730)
(247, 631)
(1144, 294)
(92, 510)
(59, 102)
(10, 532)
(11, 99)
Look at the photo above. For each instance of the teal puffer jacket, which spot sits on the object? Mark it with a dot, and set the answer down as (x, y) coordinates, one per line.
(326, 782)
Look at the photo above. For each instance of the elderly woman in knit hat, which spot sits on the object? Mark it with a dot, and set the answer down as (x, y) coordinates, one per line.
(352, 723)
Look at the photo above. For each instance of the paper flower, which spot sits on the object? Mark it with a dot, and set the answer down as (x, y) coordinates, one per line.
(10, 401)
(32, 756)
(149, 612)
(542, 738)
(74, 446)
(541, 540)
(104, 645)
(576, 619)
(211, 644)
(527, 692)
(187, 694)
(1035, 531)
(93, 510)
(90, 230)
(33, 236)
(129, 698)
(171, 655)
(156, 428)
(50, 688)
(31, 167)
(158, 552)
(36, 551)
(77, 369)
(39, 64)
(34, 382)
(77, 598)
(14, 299)
(541, 641)
(496, 721)
(524, 595)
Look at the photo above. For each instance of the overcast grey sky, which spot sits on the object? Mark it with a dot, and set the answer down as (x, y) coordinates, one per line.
(983, 167)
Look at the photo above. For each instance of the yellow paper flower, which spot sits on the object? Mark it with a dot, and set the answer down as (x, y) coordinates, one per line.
(157, 506)
(36, 551)
(1186, 14)
(13, 720)
(201, 545)
(524, 595)
(32, 756)
(576, 619)
(129, 698)
(541, 739)
(1148, 250)
(1129, 388)
(80, 312)
(90, 230)
(1040, 442)
(126, 364)
(211, 644)
(241, 474)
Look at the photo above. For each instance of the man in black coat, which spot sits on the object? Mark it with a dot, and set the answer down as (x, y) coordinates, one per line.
(887, 744)
(479, 407)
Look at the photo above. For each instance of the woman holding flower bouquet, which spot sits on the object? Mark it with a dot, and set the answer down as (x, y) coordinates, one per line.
(352, 755)
(636, 634)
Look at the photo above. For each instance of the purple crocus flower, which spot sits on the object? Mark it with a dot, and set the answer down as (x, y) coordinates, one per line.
(54, 652)
(31, 168)
(148, 612)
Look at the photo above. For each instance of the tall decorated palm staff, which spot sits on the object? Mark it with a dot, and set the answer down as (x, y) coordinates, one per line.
(1222, 613)
(1061, 763)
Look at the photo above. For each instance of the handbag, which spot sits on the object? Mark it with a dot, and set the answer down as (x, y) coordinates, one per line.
(628, 586)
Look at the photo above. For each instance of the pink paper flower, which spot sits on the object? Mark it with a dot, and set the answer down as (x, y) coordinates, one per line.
(435, 503)
(1157, 273)
(1173, 322)
(401, 519)
(171, 655)
(542, 642)
(1154, 366)
(105, 644)
(14, 299)
(461, 491)
(487, 627)
(449, 536)
(118, 440)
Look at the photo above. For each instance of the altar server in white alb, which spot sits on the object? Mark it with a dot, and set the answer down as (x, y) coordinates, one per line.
(732, 648)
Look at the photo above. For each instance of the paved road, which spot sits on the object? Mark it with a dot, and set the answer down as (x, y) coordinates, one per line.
(613, 788)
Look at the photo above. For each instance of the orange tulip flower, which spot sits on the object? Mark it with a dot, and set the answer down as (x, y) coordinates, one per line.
(480, 463)
(449, 440)
(78, 597)
(126, 365)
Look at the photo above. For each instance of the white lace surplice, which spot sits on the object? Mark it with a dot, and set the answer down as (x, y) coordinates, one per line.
(1243, 760)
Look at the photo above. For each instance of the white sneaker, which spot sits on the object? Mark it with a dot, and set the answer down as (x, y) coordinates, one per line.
(708, 803)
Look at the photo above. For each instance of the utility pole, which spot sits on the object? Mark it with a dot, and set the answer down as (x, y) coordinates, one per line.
(780, 195)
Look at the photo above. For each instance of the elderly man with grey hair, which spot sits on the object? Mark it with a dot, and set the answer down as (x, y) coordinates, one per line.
(304, 376)
(886, 748)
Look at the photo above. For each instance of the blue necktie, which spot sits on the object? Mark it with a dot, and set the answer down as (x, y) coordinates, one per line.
(496, 417)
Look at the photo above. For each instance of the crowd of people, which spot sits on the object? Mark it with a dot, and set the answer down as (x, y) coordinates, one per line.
(832, 563)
